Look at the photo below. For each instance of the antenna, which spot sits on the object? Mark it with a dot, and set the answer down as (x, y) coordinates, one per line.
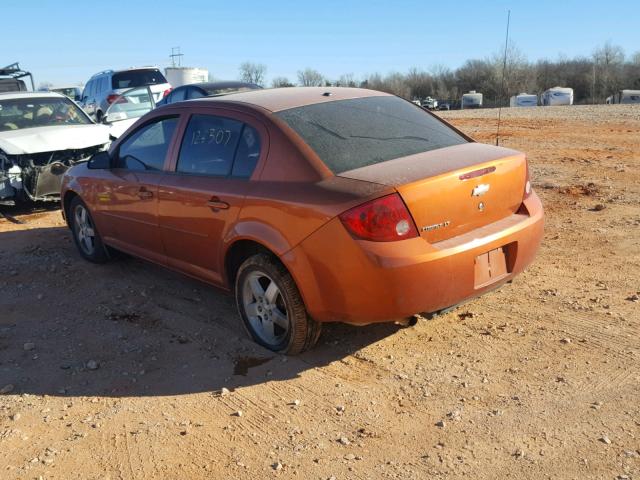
(175, 54)
(504, 69)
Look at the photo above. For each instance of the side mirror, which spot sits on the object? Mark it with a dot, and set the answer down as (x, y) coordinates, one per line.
(99, 161)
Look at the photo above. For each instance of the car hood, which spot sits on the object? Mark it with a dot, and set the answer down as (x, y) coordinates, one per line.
(50, 139)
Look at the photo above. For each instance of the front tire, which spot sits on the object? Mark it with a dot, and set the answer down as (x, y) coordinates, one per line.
(85, 234)
(271, 307)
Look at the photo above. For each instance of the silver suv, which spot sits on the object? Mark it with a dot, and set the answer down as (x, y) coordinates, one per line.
(104, 87)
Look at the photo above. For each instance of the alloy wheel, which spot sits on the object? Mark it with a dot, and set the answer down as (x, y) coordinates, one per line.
(265, 308)
(84, 229)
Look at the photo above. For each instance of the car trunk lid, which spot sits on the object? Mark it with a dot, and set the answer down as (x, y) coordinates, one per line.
(453, 190)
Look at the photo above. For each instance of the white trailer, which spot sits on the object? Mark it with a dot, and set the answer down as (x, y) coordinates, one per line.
(471, 100)
(628, 97)
(557, 96)
(178, 76)
(523, 100)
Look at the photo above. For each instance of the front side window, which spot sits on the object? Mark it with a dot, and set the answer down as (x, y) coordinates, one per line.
(209, 145)
(349, 134)
(147, 147)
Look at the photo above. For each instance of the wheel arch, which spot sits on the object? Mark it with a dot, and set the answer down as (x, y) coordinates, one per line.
(238, 252)
(69, 195)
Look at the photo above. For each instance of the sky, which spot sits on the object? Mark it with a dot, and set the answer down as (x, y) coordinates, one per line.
(65, 42)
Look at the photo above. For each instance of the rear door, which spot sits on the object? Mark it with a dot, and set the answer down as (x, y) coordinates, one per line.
(128, 197)
(200, 200)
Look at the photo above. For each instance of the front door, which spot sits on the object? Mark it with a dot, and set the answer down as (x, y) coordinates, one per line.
(201, 199)
(128, 197)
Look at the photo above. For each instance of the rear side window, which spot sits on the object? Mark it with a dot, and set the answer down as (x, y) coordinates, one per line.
(147, 147)
(195, 93)
(209, 145)
(349, 134)
(137, 78)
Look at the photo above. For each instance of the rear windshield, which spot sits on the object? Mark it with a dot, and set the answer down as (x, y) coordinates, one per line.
(137, 78)
(348, 134)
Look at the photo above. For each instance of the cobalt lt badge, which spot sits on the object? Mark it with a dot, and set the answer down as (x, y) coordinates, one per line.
(481, 206)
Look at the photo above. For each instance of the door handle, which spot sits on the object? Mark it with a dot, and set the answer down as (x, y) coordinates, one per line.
(216, 204)
(144, 194)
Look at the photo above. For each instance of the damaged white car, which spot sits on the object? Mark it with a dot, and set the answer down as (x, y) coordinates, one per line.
(41, 136)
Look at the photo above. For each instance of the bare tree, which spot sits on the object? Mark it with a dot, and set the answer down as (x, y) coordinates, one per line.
(420, 84)
(444, 83)
(310, 78)
(609, 60)
(346, 80)
(253, 73)
(279, 82)
(609, 54)
(394, 83)
(519, 76)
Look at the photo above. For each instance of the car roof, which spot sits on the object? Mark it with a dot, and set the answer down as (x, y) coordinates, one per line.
(15, 95)
(278, 99)
(221, 85)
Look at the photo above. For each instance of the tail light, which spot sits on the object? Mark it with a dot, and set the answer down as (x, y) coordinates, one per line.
(166, 92)
(112, 98)
(527, 183)
(384, 219)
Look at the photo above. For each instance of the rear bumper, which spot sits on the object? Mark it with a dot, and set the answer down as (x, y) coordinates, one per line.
(360, 282)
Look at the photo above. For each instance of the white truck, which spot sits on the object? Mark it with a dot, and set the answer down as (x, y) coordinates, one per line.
(430, 103)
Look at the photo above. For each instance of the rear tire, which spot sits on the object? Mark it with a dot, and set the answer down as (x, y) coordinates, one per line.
(85, 234)
(271, 307)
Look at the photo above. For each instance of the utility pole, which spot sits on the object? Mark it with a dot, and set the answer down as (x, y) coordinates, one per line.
(175, 54)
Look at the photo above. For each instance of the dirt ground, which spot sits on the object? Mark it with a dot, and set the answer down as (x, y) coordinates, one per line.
(116, 371)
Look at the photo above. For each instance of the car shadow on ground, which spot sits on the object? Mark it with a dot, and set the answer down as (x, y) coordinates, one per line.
(13, 213)
(131, 328)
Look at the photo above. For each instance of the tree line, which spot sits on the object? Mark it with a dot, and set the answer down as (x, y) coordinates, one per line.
(593, 78)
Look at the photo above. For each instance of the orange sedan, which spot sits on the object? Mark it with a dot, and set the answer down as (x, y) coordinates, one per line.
(312, 205)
